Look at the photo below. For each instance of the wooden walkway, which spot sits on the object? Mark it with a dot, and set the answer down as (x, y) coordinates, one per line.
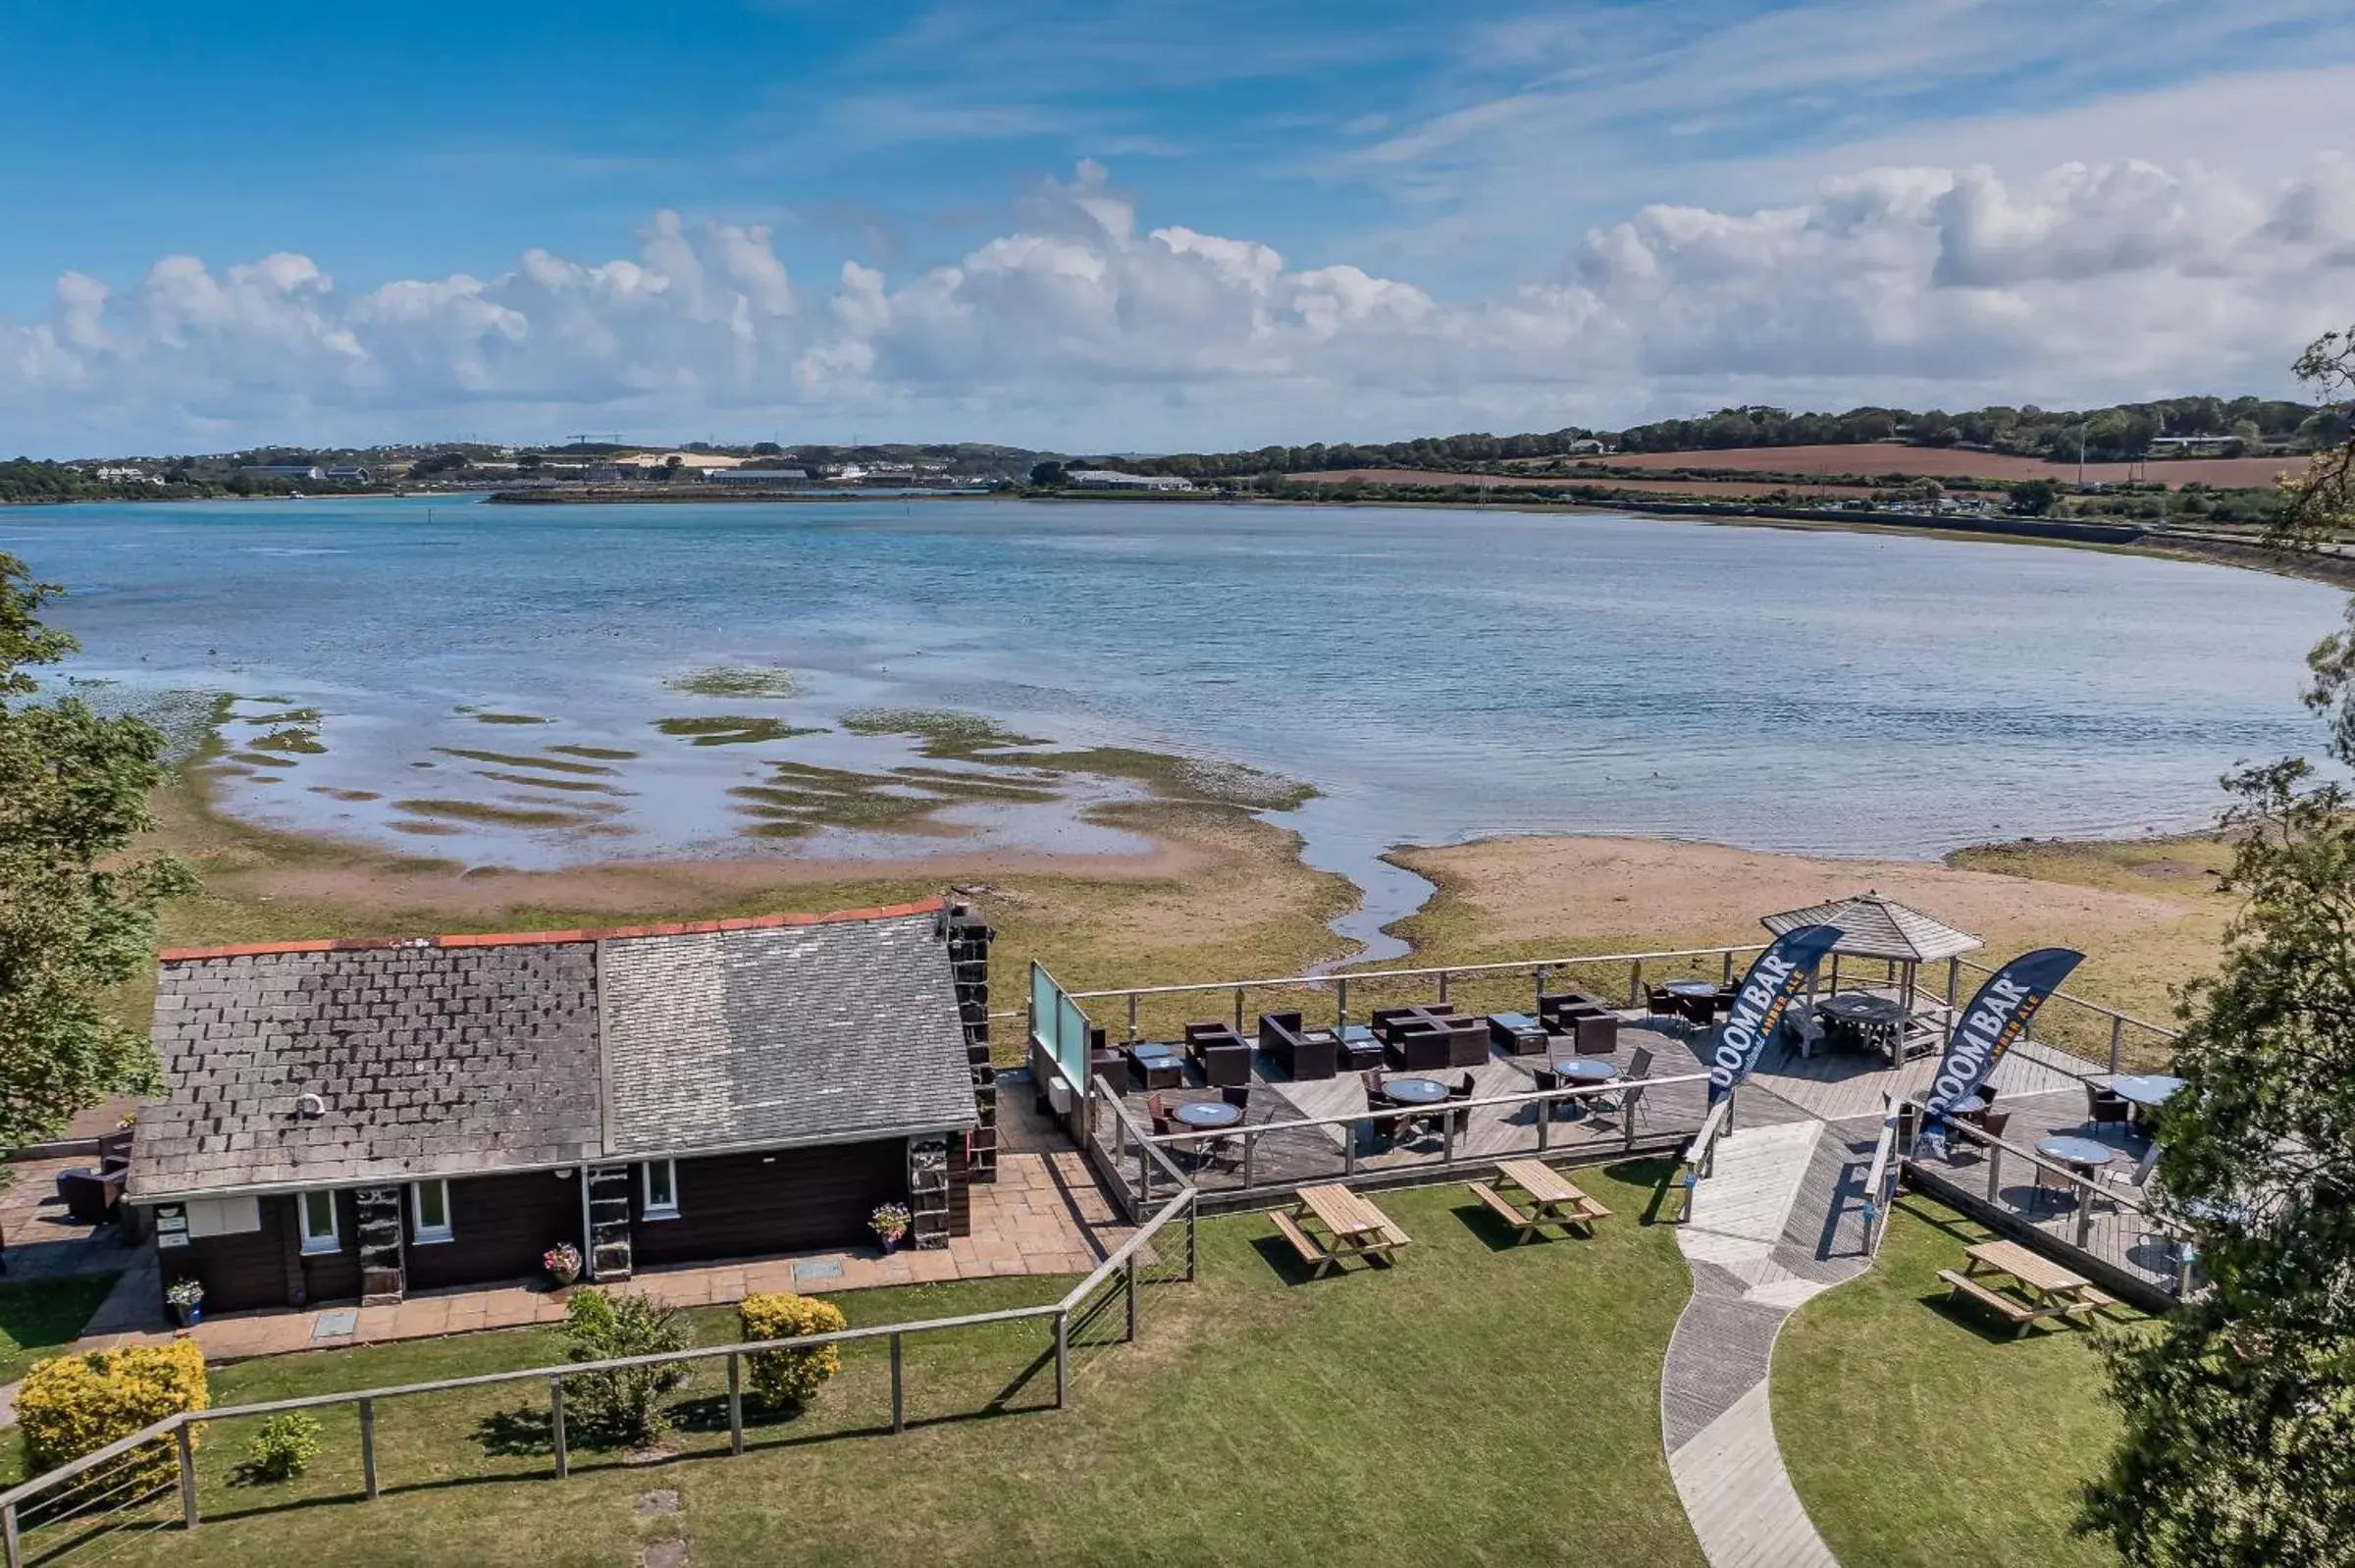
(1777, 1220)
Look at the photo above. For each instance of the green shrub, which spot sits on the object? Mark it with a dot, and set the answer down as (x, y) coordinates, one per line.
(624, 1406)
(75, 1406)
(284, 1449)
(788, 1379)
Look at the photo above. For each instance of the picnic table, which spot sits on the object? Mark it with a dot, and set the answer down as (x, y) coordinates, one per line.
(2049, 1290)
(1354, 1229)
(1552, 1200)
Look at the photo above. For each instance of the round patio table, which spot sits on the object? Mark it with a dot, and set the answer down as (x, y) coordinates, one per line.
(1584, 1068)
(2083, 1155)
(1416, 1091)
(2147, 1090)
(1207, 1114)
(1696, 989)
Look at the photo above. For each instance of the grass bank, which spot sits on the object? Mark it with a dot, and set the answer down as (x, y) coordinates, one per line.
(1427, 1412)
(1923, 1435)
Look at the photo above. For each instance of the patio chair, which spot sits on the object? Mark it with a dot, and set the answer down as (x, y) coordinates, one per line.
(1224, 1056)
(1377, 1097)
(1421, 1050)
(1628, 1100)
(2105, 1105)
(2049, 1179)
(1159, 1110)
(1237, 1095)
(1462, 1118)
(2137, 1179)
(1597, 1036)
(1304, 1056)
(1660, 1004)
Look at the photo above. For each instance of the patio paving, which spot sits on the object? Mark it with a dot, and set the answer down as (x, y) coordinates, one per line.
(43, 1242)
(1043, 1216)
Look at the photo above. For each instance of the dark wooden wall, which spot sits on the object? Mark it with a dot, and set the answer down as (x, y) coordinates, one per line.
(741, 1205)
(499, 1226)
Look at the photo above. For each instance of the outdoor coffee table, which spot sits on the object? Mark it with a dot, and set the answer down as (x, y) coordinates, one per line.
(1207, 1114)
(2084, 1156)
(1159, 1065)
(1699, 998)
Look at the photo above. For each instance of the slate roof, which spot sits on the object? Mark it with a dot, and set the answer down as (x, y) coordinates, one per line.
(1877, 927)
(453, 1056)
(758, 1038)
(430, 1061)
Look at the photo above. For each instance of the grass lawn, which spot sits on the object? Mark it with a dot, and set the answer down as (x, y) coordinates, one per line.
(1916, 1435)
(39, 1317)
(1475, 1403)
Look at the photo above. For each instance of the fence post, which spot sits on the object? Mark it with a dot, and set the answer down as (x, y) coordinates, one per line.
(1447, 1137)
(2117, 1038)
(1442, 988)
(1539, 975)
(187, 1476)
(1133, 1018)
(1249, 1143)
(368, 1446)
(1239, 1010)
(1995, 1170)
(1144, 1172)
(898, 1396)
(1349, 1149)
(1635, 983)
(1340, 1004)
(1953, 982)
(1131, 1300)
(1544, 1122)
(735, 1403)
(2085, 1216)
(555, 1419)
(8, 1545)
(1725, 969)
(1191, 1204)
(1063, 1358)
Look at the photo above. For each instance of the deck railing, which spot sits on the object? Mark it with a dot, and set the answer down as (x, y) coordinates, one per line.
(2088, 1029)
(1141, 1162)
(1880, 1183)
(2110, 1221)
(130, 1486)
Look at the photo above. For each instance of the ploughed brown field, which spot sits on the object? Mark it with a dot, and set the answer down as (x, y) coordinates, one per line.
(1656, 486)
(2224, 473)
(2234, 473)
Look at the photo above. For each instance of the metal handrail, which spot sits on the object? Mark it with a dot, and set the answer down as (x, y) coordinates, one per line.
(1439, 1107)
(1880, 1183)
(1495, 968)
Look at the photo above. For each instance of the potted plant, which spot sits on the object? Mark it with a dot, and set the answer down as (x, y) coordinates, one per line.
(186, 1299)
(562, 1263)
(889, 1224)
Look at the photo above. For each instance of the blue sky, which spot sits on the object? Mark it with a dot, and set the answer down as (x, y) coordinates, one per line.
(1484, 165)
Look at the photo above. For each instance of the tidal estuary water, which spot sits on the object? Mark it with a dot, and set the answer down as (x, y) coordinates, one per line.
(537, 686)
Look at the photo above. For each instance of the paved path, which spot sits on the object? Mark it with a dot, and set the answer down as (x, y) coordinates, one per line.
(1777, 1220)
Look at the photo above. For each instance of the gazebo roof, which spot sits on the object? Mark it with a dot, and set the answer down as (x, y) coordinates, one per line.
(1877, 927)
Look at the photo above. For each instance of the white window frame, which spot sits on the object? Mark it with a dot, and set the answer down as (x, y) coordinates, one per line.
(421, 1233)
(314, 1243)
(648, 1206)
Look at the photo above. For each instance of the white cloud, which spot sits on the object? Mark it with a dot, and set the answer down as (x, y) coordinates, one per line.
(1915, 285)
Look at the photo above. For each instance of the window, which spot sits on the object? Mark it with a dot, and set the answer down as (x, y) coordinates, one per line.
(429, 1212)
(661, 1190)
(318, 1211)
(223, 1217)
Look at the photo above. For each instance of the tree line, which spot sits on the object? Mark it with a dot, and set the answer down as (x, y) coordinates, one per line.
(2118, 432)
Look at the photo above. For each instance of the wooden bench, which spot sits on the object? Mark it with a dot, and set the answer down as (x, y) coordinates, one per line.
(2018, 1314)
(1314, 1256)
(2091, 1300)
(1523, 1226)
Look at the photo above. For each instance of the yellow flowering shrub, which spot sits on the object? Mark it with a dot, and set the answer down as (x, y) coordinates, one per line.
(75, 1406)
(788, 1379)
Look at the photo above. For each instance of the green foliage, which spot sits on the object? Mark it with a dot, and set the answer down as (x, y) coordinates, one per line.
(2034, 496)
(2240, 1409)
(75, 916)
(1047, 475)
(78, 1404)
(624, 1406)
(284, 1449)
(2239, 1448)
(788, 1380)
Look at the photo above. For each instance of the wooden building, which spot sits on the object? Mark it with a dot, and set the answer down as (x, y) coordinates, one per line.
(358, 1119)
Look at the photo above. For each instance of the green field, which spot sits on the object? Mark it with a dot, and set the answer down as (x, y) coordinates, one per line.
(1923, 1434)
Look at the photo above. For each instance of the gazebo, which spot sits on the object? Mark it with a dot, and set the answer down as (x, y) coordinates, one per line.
(1872, 926)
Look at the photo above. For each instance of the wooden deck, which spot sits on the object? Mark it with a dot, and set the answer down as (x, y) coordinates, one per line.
(1666, 1114)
